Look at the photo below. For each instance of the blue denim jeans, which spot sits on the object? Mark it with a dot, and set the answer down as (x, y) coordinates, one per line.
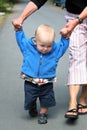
(44, 92)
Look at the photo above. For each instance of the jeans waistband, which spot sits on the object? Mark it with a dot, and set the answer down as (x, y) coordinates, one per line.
(38, 81)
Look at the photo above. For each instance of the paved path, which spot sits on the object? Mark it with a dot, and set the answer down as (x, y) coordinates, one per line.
(12, 114)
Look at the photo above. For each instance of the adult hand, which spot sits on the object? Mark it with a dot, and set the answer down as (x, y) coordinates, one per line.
(17, 23)
(67, 30)
(64, 32)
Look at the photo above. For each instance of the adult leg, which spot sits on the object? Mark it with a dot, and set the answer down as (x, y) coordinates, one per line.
(82, 106)
(73, 93)
(77, 66)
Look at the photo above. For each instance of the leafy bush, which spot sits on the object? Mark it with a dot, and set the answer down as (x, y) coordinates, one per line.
(8, 1)
(6, 5)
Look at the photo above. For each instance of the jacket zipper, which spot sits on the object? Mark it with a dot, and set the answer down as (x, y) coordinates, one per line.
(40, 59)
(39, 65)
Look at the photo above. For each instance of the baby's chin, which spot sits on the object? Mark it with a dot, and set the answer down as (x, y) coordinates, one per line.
(44, 52)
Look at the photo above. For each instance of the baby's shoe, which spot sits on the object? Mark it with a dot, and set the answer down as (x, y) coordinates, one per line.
(42, 118)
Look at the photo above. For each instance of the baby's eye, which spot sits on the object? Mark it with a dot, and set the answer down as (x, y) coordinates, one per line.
(49, 46)
(42, 45)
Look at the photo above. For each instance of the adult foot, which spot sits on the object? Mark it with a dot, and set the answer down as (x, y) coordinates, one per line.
(73, 113)
(82, 109)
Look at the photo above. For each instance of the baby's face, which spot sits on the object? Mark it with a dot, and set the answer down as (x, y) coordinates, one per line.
(44, 38)
(44, 47)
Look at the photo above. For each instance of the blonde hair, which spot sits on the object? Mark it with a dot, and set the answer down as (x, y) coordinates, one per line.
(45, 33)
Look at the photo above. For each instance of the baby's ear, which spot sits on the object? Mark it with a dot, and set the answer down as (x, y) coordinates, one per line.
(35, 41)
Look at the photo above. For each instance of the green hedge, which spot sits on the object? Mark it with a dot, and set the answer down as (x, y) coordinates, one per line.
(8, 1)
(5, 5)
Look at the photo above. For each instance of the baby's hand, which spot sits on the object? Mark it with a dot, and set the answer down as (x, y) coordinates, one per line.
(17, 29)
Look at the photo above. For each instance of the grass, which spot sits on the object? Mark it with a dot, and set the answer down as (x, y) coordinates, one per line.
(5, 7)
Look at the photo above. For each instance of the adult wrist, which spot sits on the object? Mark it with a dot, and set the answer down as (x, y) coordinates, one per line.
(80, 20)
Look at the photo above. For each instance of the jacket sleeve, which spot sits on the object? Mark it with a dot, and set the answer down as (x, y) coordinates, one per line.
(21, 40)
(39, 3)
(62, 46)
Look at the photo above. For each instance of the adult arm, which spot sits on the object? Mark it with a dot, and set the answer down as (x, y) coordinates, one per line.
(72, 24)
(83, 15)
(30, 8)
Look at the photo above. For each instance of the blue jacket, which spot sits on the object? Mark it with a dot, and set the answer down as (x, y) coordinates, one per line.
(39, 65)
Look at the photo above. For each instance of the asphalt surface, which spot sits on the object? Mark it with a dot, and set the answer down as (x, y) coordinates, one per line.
(12, 113)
